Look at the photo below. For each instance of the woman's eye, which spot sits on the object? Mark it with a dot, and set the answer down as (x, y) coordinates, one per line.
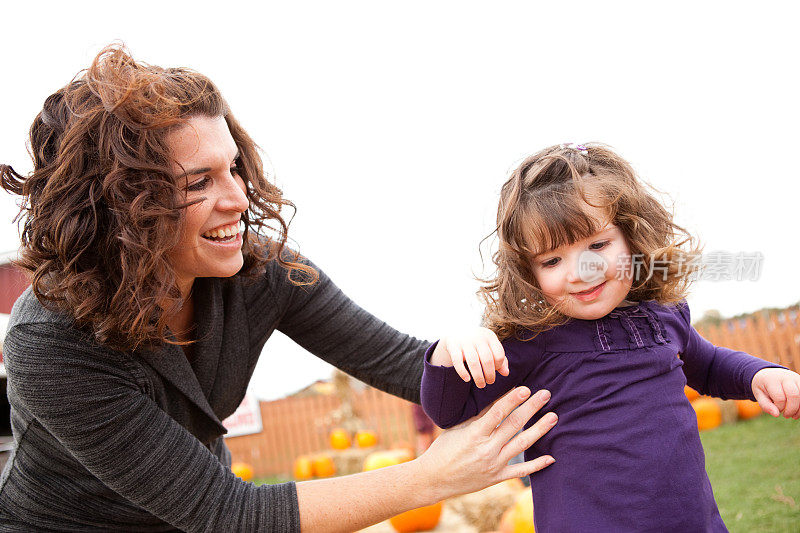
(550, 262)
(198, 185)
(598, 245)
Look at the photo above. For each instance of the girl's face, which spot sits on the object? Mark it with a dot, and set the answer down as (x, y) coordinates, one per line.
(588, 278)
(210, 243)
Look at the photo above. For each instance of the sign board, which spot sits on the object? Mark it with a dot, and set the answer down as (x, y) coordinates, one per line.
(246, 420)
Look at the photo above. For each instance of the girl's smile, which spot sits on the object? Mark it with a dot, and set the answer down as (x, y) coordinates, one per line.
(590, 294)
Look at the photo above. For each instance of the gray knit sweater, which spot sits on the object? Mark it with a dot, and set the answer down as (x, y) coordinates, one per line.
(106, 440)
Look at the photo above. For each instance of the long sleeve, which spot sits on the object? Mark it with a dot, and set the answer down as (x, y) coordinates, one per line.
(324, 321)
(449, 400)
(89, 400)
(714, 370)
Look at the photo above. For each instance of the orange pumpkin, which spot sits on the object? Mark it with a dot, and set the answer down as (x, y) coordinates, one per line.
(380, 460)
(708, 413)
(366, 438)
(243, 470)
(690, 393)
(340, 439)
(748, 409)
(421, 519)
(323, 465)
(519, 517)
(303, 468)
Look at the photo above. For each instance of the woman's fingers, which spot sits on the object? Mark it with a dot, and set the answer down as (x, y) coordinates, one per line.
(516, 420)
(512, 402)
(527, 438)
(527, 468)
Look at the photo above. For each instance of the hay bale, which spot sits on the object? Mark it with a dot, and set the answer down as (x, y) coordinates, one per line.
(728, 410)
(484, 509)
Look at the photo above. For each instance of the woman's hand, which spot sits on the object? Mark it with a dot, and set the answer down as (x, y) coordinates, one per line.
(468, 457)
(777, 391)
(479, 348)
(475, 454)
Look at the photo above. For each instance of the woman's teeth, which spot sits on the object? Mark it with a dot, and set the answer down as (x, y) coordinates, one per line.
(222, 233)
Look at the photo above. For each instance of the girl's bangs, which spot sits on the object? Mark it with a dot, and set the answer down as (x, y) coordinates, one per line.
(558, 220)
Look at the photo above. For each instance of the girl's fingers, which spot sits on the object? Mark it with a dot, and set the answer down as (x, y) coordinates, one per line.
(457, 356)
(527, 438)
(487, 362)
(499, 354)
(495, 413)
(792, 392)
(766, 404)
(517, 419)
(528, 467)
(503, 370)
(776, 394)
(474, 365)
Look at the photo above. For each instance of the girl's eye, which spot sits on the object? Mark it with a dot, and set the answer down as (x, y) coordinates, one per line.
(550, 262)
(599, 245)
(198, 185)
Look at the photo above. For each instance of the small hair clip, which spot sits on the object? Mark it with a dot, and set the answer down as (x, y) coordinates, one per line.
(577, 147)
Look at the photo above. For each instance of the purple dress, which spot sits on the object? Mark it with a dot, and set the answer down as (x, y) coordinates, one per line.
(627, 449)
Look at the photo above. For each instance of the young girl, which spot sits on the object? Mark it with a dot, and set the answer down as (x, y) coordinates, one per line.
(588, 302)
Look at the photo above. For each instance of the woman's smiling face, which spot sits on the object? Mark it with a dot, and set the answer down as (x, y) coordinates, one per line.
(211, 242)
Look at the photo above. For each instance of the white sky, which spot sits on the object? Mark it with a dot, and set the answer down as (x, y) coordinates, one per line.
(392, 126)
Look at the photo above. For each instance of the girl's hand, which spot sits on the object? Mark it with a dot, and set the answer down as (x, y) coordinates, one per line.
(778, 390)
(475, 454)
(481, 350)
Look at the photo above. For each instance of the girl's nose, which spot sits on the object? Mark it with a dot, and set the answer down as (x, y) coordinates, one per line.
(573, 274)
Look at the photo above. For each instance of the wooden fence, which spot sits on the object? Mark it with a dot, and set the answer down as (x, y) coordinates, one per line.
(774, 336)
(295, 426)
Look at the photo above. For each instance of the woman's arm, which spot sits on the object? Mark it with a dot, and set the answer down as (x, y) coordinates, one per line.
(466, 458)
(324, 321)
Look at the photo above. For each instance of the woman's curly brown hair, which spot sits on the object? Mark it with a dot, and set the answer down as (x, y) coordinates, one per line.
(102, 207)
(547, 203)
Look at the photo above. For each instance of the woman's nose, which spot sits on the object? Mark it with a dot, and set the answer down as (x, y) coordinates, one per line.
(234, 197)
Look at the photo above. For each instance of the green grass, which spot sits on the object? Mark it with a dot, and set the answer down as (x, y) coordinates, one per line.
(273, 480)
(754, 467)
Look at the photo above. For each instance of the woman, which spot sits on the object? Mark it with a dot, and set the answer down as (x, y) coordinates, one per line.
(156, 248)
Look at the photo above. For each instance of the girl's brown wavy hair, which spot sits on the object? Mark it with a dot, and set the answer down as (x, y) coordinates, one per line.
(102, 207)
(547, 203)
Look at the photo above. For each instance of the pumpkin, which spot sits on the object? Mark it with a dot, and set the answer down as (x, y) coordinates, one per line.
(748, 409)
(402, 454)
(340, 439)
(323, 465)
(690, 393)
(421, 519)
(366, 438)
(243, 470)
(519, 517)
(708, 413)
(381, 459)
(303, 468)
